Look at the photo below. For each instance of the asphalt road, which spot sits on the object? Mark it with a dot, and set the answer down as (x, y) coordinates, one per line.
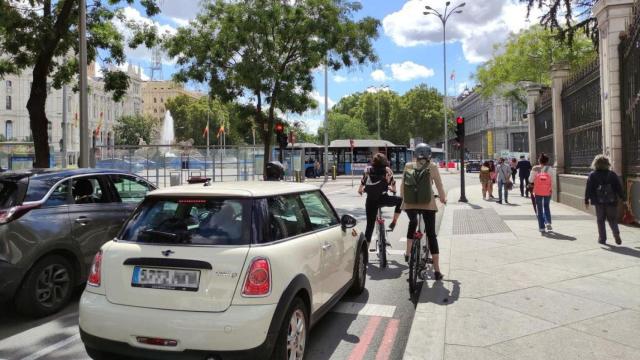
(374, 325)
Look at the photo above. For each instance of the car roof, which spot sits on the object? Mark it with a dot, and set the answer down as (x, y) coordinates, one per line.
(236, 189)
(56, 173)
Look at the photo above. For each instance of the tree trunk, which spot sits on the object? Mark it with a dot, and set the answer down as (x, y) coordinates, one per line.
(37, 115)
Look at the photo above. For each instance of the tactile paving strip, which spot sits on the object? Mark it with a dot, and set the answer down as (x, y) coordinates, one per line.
(480, 221)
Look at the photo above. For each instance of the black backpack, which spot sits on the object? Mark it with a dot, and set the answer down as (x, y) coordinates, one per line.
(376, 183)
(604, 192)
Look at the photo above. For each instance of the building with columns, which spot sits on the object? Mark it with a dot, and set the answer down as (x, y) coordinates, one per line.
(492, 125)
(155, 95)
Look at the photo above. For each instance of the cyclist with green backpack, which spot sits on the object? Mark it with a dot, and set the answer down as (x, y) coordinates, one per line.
(418, 200)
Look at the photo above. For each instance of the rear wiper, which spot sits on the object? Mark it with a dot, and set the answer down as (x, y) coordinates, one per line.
(171, 236)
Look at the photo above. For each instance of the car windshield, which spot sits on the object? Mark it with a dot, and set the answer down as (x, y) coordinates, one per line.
(190, 221)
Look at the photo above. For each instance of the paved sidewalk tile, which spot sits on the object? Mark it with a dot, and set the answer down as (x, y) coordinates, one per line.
(598, 289)
(457, 352)
(629, 275)
(621, 326)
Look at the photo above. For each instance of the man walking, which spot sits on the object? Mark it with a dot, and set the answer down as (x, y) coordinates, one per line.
(524, 170)
(504, 179)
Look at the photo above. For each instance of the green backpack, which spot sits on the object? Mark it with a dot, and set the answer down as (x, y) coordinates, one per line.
(416, 186)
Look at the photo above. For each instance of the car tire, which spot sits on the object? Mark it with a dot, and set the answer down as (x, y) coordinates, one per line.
(47, 287)
(297, 315)
(359, 274)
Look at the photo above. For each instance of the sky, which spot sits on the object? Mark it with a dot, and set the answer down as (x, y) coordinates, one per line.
(409, 45)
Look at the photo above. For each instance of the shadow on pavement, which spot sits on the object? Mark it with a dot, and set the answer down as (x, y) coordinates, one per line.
(558, 236)
(376, 273)
(622, 250)
(438, 293)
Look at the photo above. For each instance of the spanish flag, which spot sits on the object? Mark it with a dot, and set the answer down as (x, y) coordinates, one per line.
(220, 131)
(206, 130)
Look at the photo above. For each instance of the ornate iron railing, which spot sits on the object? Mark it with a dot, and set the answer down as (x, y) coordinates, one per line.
(582, 119)
(544, 125)
(630, 94)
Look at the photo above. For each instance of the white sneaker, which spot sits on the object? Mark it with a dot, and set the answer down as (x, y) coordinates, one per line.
(549, 228)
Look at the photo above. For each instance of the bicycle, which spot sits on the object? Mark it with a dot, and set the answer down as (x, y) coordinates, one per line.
(417, 264)
(381, 242)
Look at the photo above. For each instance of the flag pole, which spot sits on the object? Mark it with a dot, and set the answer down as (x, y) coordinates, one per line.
(208, 130)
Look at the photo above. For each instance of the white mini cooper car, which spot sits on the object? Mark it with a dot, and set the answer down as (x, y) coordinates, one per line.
(221, 271)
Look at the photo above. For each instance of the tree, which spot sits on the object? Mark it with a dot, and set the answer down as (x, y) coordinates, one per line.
(528, 56)
(130, 129)
(41, 34)
(267, 50)
(575, 13)
(421, 114)
(343, 126)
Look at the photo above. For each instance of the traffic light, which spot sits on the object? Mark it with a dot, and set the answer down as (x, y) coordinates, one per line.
(281, 137)
(460, 129)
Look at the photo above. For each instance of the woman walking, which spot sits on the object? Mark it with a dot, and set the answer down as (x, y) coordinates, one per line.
(493, 174)
(603, 191)
(485, 179)
(542, 188)
(514, 170)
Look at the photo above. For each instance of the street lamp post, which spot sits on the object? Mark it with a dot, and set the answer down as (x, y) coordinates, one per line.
(443, 18)
(377, 89)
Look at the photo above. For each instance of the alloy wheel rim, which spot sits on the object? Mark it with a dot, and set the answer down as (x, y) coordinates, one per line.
(52, 285)
(296, 336)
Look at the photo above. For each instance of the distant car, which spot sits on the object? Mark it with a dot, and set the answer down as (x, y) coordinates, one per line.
(473, 166)
(120, 164)
(224, 271)
(52, 223)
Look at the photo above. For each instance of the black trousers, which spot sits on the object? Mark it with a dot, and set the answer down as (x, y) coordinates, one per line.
(371, 208)
(429, 217)
(523, 186)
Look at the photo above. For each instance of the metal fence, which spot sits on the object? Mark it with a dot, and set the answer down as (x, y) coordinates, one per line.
(582, 119)
(544, 125)
(630, 94)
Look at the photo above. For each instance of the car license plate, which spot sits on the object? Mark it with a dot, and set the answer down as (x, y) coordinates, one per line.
(168, 279)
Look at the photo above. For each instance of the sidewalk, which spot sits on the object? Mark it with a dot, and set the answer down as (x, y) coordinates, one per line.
(511, 293)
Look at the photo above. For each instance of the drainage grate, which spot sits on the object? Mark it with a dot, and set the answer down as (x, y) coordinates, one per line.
(481, 221)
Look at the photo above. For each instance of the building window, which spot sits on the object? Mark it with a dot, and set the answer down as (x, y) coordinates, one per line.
(162, 100)
(8, 83)
(8, 102)
(155, 100)
(8, 129)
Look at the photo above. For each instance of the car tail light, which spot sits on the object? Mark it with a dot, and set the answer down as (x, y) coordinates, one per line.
(258, 281)
(14, 213)
(95, 273)
(156, 341)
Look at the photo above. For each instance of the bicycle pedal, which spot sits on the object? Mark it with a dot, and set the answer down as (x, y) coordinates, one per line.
(372, 250)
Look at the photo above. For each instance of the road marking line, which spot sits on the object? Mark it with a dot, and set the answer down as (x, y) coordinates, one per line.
(355, 308)
(384, 351)
(360, 350)
(51, 348)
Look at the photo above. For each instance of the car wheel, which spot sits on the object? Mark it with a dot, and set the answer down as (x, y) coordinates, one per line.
(292, 338)
(47, 287)
(359, 274)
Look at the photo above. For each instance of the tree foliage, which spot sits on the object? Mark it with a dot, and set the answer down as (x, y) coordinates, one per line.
(267, 50)
(528, 56)
(130, 129)
(43, 35)
(566, 17)
(417, 113)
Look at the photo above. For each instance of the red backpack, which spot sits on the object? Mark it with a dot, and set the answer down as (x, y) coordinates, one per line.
(542, 183)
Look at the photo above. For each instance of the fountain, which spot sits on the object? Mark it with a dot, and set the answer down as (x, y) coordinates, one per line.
(167, 134)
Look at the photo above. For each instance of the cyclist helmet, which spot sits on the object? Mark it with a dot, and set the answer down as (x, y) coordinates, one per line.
(422, 151)
(275, 171)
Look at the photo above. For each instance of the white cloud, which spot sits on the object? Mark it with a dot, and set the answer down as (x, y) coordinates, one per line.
(320, 99)
(405, 71)
(478, 27)
(179, 21)
(181, 9)
(409, 70)
(340, 79)
(379, 75)
(142, 53)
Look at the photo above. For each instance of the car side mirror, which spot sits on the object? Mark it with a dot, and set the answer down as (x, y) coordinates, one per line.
(348, 221)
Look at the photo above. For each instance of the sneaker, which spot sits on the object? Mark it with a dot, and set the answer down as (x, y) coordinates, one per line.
(618, 239)
(392, 226)
(438, 275)
(499, 202)
(542, 231)
(506, 202)
(549, 228)
(600, 241)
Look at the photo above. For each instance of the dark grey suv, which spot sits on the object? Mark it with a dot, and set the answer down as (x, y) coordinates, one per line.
(52, 222)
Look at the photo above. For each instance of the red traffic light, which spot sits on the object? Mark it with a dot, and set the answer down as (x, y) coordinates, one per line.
(279, 128)
(460, 120)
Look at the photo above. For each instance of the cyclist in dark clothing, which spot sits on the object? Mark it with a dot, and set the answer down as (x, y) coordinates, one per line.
(376, 182)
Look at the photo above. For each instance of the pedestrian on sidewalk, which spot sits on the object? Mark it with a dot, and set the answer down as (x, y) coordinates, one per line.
(418, 200)
(376, 182)
(542, 188)
(504, 182)
(524, 170)
(604, 190)
(494, 175)
(485, 179)
(514, 170)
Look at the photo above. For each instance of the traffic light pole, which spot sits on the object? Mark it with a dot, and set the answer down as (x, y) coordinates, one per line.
(463, 197)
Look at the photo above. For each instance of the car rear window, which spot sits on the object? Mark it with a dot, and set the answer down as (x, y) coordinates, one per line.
(190, 221)
(40, 186)
(10, 194)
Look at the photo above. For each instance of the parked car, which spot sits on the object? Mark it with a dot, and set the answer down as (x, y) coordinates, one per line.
(231, 270)
(119, 164)
(52, 223)
(473, 165)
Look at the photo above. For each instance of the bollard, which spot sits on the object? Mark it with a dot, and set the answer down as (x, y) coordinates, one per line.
(333, 172)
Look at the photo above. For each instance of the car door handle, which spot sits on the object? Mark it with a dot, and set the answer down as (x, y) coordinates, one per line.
(326, 246)
(83, 220)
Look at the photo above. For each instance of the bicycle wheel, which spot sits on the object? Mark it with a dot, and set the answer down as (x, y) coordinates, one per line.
(414, 265)
(382, 246)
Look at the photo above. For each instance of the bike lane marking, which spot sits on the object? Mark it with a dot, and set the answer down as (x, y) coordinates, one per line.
(51, 348)
(389, 338)
(358, 309)
(360, 350)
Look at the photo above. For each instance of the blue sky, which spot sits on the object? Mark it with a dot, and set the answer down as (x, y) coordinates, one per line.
(409, 45)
